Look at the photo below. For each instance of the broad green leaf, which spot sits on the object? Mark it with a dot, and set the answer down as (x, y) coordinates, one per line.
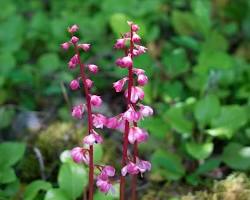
(208, 166)
(11, 153)
(10, 189)
(118, 23)
(72, 179)
(168, 165)
(7, 175)
(221, 132)
(56, 194)
(206, 109)
(176, 63)
(98, 153)
(156, 126)
(199, 151)
(35, 187)
(231, 117)
(175, 116)
(236, 156)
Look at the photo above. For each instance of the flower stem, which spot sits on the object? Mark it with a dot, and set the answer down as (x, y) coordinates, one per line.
(90, 125)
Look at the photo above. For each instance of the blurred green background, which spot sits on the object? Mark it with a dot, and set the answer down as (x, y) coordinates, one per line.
(198, 67)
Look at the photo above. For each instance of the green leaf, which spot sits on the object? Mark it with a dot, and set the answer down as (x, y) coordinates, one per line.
(34, 188)
(231, 117)
(11, 153)
(157, 127)
(6, 115)
(7, 63)
(208, 166)
(178, 121)
(56, 194)
(199, 151)
(168, 165)
(176, 62)
(206, 109)
(98, 153)
(7, 175)
(236, 156)
(118, 23)
(221, 132)
(72, 179)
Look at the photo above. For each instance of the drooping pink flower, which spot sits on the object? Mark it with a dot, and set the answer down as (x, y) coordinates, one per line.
(136, 38)
(93, 138)
(93, 68)
(130, 168)
(84, 47)
(80, 155)
(104, 185)
(145, 111)
(103, 182)
(65, 45)
(131, 115)
(111, 122)
(142, 79)
(125, 61)
(137, 134)
(136, 94)
(99, 120)
(89, 83)
(134, 27)
(118, 85)
(77, 111)
(120, 43)
(95, 100)
(109, 170)
(143, 166)
(74, 84)
(120, 125)
(74, 39)
(138, 71)
(73, 28)
(73, 61)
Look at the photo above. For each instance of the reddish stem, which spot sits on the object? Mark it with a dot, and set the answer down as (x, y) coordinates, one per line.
(90, 125)
(125, 137)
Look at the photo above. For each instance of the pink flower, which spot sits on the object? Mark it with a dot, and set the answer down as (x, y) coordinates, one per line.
(135, 27)
(131, 115)
(80, 155)
(142, 79)
(95, 100)
(120, 43)
(109, 170)
(93, 138)
(137, 134)
(118, 85)
(136, 94)
(138, 71)
(89, 83)
(73, 28)
(145, 111)
(120, 125)
(85, 47)
(93, 68)
(73, 61)
(130, 168)
(136, 38)
(77, 111)
(99, 120)
(65, 45)
(103, 182)
(125, 61)
(111, 122)
(74, 39)
(74, 85)
(103, 185)
(139, 50)
(143, 166)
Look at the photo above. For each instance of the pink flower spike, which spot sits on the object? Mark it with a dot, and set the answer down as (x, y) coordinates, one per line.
(137, 134)
(74, 39)
(77, 154)
(146, 111)
(142, 79)
(77, 111)
(131, 115)
(125, 61)
(120, 43)
(130, 168)
(74, 85)
(84, 47)
(89, 83)
(118, 85)
(93, 68)
(99, 120)
(95, 100)
(136, 38)
(65, 45)
(73, 28)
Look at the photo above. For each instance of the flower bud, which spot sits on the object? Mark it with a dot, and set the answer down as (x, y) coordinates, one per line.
(93, 68)
(74, 85)
(73, 29)
(74, 39)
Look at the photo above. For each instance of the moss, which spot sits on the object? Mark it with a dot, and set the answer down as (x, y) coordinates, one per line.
(234, 187)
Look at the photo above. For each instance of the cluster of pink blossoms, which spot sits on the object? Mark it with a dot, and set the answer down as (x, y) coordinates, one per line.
(124, 122)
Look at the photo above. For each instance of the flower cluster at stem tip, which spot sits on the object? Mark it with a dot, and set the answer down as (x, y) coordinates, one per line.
(130, 44)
